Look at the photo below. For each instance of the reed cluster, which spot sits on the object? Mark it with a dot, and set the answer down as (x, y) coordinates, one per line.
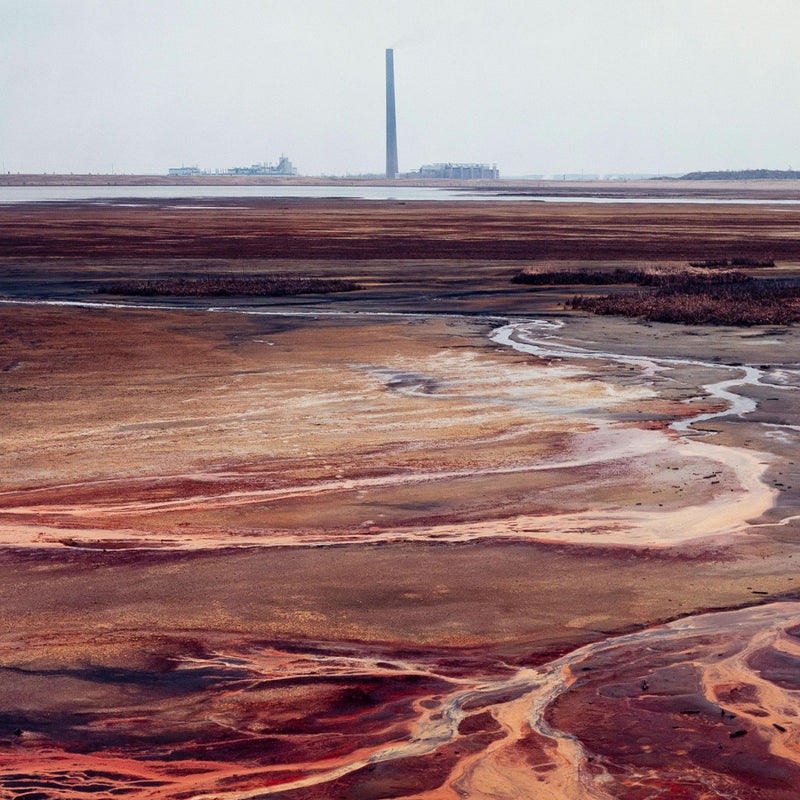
(753, 302)
(268, 285)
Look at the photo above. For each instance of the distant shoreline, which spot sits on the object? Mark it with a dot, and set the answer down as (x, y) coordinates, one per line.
(758, 188)
(22, 179)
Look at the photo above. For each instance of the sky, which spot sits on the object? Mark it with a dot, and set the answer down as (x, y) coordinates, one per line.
(539, 87)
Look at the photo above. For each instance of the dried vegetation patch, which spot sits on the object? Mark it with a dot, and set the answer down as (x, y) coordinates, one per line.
(692, 276)
(271, 285)
(754, 302)
(704, 293)
(713, 263)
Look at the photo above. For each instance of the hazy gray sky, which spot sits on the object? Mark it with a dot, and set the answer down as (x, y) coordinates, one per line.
(537, 86)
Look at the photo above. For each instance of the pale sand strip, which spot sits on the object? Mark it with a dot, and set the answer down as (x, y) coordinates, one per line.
(727, 513)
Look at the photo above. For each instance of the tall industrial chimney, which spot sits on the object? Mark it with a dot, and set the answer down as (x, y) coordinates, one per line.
(391, 123)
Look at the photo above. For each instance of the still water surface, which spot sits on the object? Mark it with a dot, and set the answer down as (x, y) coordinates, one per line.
(39, 194)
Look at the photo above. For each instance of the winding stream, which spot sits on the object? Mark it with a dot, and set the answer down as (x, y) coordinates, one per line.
(536, 338)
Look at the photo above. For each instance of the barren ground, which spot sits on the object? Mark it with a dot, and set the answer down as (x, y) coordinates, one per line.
(423, 540)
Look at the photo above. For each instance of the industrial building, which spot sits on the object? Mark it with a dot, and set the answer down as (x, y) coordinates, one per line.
(459, 171)
(185, 171)
(283, 167)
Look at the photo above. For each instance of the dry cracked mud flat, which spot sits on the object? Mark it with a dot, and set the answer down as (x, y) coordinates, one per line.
(438, 538)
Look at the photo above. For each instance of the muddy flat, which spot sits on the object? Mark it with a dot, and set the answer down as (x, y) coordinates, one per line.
(438, 537)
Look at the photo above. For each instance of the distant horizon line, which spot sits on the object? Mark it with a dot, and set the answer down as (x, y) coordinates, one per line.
(548, 176)
(10, 178)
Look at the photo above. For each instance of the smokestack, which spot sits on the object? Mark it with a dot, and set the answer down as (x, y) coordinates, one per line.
(391, 123)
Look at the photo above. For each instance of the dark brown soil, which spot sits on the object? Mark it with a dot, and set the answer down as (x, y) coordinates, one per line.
(360, 229)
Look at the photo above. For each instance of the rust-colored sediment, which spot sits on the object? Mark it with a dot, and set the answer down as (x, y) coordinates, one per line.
(704, 707)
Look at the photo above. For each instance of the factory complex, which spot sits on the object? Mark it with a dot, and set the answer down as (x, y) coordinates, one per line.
(457, 171)
(284, 167)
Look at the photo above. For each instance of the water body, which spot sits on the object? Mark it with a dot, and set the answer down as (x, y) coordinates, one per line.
(41, 194)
